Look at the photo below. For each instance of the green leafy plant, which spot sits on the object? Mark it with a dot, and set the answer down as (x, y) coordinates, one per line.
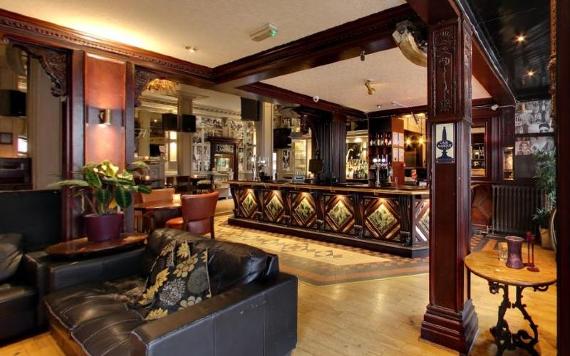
(545, 180)
(105, 188)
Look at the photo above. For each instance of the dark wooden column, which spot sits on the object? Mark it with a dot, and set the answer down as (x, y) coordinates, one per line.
(562, 96)
(328, 135)
(450, 319)
(73, 143)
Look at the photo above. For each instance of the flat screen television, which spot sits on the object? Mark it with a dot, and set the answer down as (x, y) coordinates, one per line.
(12, 103)
(250, 109)
(281, 138)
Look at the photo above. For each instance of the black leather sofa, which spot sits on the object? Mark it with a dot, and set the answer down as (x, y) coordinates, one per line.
(19, 299)
(35, 216)
(253, 309)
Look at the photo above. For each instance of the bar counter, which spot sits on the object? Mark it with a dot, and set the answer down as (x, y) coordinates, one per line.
(392, 219)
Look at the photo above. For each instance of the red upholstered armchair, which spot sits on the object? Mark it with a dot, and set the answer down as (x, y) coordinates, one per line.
(197, 214)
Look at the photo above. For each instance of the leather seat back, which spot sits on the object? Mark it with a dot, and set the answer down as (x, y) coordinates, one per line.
(197, 210)
(229, 263)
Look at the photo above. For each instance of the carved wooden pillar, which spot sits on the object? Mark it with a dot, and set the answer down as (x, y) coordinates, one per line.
(450, 319)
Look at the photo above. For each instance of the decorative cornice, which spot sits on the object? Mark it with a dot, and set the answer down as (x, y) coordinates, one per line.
(270, 91)
(147, 101)
(28, 27)
(372, 33)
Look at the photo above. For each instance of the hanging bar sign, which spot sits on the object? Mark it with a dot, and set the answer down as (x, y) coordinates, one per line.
(445, 143)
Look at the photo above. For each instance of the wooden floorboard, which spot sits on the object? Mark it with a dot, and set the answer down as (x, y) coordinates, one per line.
(376, 317)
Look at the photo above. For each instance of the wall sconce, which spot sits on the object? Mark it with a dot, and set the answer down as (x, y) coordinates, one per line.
(105, 116)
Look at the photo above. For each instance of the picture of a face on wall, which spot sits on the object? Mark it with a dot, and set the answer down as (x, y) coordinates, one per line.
(525, 146)
(533, 117)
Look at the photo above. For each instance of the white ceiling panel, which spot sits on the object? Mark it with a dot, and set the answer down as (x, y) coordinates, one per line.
(218, 28)
(396, 80)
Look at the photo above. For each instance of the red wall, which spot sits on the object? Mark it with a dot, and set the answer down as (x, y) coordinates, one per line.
(105, 85)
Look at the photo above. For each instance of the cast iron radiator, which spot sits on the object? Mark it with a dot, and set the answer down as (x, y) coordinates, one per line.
(513, 208)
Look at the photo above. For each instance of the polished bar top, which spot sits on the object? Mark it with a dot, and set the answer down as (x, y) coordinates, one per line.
(340, 187)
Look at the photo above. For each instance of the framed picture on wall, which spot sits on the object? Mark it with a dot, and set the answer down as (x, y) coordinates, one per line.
(445, 143)
(533, 117)
(525, 146)
(6, 138)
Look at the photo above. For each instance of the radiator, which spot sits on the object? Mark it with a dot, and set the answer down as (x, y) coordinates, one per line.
(513, 208)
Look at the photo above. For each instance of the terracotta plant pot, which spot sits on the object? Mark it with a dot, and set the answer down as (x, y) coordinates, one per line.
(103, 227)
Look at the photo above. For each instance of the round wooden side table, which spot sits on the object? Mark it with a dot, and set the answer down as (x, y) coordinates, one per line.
(82, 247)
(486, 264)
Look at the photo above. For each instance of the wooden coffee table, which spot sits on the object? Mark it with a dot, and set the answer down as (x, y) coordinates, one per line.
(80, 248)
(486, 264)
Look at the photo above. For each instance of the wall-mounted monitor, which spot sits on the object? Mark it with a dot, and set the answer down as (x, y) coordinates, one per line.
(250, 110)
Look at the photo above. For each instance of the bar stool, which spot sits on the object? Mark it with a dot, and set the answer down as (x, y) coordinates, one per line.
(198, 213)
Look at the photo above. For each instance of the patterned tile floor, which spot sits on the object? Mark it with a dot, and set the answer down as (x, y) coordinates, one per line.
(322, 263)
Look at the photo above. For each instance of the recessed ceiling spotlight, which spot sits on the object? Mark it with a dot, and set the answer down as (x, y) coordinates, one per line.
(520, 38)
(379, 106)
(191, 49)
(530, 72)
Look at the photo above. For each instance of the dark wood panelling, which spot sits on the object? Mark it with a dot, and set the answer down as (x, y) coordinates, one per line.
(73, 142)
(372, 33)
(562, 80)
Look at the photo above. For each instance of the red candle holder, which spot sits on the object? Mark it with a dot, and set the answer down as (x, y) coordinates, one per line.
(530, 266)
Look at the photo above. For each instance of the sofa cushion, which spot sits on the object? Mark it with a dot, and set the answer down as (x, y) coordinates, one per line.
(107, 335)
(179, 285)
(74, 306)
(15, 299)
(229, 264)
(10, 255)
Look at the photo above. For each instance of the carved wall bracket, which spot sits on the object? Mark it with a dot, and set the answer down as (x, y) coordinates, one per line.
(142, 78)
(54, 62)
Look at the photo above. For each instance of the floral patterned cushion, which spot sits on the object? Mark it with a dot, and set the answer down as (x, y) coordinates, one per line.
(178, 279)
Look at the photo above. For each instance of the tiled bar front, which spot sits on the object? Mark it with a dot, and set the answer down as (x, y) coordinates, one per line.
(383, 219)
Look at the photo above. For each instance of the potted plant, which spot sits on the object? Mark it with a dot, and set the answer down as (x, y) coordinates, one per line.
(107, 191)
(546, 181)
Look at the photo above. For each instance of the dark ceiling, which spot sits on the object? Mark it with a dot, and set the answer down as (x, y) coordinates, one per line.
(501, 22)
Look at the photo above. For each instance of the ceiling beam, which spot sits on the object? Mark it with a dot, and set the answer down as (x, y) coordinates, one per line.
(485, 67)
(372, 34)
(267, 92)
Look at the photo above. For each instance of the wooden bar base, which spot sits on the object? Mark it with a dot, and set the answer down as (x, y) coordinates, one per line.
(379, 246)
(445, 327)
